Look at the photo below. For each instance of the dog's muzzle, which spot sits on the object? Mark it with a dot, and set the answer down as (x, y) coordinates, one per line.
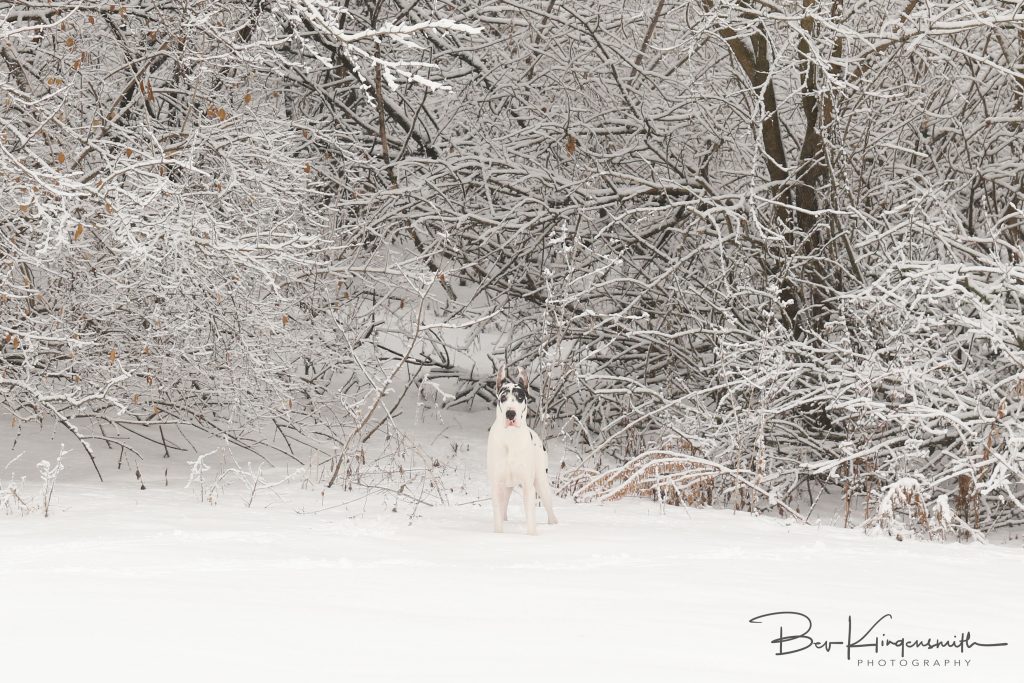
(510, 415)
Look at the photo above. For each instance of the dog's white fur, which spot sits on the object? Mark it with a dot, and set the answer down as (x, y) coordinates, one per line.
(516, 456)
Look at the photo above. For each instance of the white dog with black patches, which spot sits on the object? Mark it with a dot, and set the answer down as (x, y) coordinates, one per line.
(516, 456)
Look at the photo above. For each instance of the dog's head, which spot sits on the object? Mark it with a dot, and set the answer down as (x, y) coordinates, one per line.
(512, 395)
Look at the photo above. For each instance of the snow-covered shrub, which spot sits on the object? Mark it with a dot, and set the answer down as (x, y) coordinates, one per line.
(12, 497)
(182, 228)
(253, 481)
(920, 374)
(49, 473)
(208, 489)
(902, 512)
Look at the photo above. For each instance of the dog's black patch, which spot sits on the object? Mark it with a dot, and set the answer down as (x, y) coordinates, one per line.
(518, 392)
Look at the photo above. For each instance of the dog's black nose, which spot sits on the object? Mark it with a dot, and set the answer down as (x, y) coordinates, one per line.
(510, 414)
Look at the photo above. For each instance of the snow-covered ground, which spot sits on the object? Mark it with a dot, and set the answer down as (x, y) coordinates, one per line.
(122, 584)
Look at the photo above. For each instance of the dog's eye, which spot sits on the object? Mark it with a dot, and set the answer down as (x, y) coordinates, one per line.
(519, 394)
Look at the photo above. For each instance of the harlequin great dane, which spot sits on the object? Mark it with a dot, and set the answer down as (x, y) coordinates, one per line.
(516, 456)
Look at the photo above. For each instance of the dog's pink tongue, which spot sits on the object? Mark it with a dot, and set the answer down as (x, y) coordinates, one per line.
(510, 423)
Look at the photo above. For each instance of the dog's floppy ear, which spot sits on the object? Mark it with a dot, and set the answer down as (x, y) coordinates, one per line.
(501, 380)
(523, 380)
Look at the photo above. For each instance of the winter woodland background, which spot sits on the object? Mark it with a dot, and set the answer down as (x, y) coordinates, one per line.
(752, 252)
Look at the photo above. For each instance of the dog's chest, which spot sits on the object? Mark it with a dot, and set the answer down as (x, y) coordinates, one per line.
(511, 454)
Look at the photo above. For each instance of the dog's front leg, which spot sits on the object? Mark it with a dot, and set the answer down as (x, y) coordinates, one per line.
(530, 503)
(499, 503)
(506, 495)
